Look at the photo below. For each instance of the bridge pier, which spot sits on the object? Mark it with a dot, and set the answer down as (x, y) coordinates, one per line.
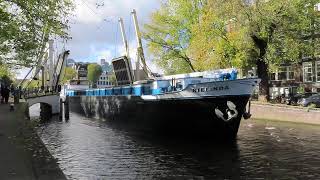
(49, 105)
(61, 109)
(45, 112)
(66, 108)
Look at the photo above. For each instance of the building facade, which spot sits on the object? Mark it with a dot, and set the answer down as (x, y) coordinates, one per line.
(82, 70)
(105, 80)
(293, 78)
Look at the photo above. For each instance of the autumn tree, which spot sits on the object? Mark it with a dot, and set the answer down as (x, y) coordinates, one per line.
(218, 41)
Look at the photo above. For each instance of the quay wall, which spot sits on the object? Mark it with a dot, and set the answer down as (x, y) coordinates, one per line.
(287, 113)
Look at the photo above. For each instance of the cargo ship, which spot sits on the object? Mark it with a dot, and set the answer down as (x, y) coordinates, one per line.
(188, 105)
(209, 104)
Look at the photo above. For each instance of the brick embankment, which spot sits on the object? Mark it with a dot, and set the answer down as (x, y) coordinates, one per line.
(288, 113)
(22, 153)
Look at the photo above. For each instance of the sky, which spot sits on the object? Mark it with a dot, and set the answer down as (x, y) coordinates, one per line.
(95, 32)
(95, 29)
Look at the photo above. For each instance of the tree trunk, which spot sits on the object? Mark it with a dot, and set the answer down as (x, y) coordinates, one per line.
(190, 64)
(262, 69)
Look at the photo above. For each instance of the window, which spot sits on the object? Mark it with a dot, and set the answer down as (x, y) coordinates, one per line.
(307, 72)
(272, 76)
(283, 73)
(290, 72)
(318, 71)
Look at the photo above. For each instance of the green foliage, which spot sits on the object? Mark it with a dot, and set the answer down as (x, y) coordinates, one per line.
(94, 72)
(113, 79)
(34, 84)
(26, 26)
(169, 34)
(68, 73)
(218, 34)
(212, 46)
(301, 89)
(5, 75)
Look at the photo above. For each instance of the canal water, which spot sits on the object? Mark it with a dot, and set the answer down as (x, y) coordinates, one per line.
(91, 149)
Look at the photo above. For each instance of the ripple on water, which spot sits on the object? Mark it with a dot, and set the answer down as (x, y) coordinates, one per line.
(89, 149)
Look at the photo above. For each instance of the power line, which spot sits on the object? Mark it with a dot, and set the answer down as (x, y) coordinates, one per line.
(96, 14)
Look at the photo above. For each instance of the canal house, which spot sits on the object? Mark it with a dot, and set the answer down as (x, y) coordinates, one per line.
(295, 77)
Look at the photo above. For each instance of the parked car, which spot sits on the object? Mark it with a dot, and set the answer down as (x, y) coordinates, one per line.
(314, 99)
(295, 99)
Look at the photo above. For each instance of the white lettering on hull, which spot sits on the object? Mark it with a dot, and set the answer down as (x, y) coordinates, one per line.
(207, 89)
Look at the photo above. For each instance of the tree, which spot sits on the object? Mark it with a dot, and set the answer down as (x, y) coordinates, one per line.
(113, 79)
(68, 74)
(94, 72)
(5, 75)
(26, 26)
(218, 34)
(217, 41)
(168, 35)
(275, 28)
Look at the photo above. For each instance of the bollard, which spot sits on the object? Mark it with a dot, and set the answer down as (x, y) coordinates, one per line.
(61, 109)
(66, 108)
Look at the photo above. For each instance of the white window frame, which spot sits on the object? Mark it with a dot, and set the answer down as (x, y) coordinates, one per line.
(317, 68)
(304, 71)
(287, 73)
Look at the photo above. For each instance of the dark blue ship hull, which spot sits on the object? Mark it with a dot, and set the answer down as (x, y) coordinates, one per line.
(183, 117)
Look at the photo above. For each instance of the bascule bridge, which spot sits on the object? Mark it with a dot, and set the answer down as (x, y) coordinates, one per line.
(48, 71)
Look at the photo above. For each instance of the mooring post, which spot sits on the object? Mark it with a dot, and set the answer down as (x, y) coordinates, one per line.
(66, 108)
(61, 109)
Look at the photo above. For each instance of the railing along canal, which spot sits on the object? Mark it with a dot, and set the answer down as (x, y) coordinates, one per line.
(42, 91)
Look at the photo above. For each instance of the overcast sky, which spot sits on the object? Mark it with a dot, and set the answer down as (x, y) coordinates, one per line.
(95, 30)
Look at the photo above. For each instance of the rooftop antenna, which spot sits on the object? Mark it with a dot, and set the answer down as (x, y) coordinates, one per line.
(139, 49)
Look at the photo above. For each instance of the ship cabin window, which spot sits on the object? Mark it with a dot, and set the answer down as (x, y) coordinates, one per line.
(179, 86)
(307, 72)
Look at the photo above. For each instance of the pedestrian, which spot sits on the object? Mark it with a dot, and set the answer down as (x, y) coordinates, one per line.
(2, 93)
(6, 94)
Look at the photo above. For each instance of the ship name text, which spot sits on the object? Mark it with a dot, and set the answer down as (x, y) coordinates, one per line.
(207, 89)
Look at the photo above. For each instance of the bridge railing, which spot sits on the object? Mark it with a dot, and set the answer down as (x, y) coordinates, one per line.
(38, 92)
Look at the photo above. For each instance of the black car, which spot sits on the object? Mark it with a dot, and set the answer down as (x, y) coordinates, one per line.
(314, 99)
(295, 99)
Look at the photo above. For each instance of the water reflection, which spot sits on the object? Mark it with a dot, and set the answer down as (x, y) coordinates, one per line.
(90, 149)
